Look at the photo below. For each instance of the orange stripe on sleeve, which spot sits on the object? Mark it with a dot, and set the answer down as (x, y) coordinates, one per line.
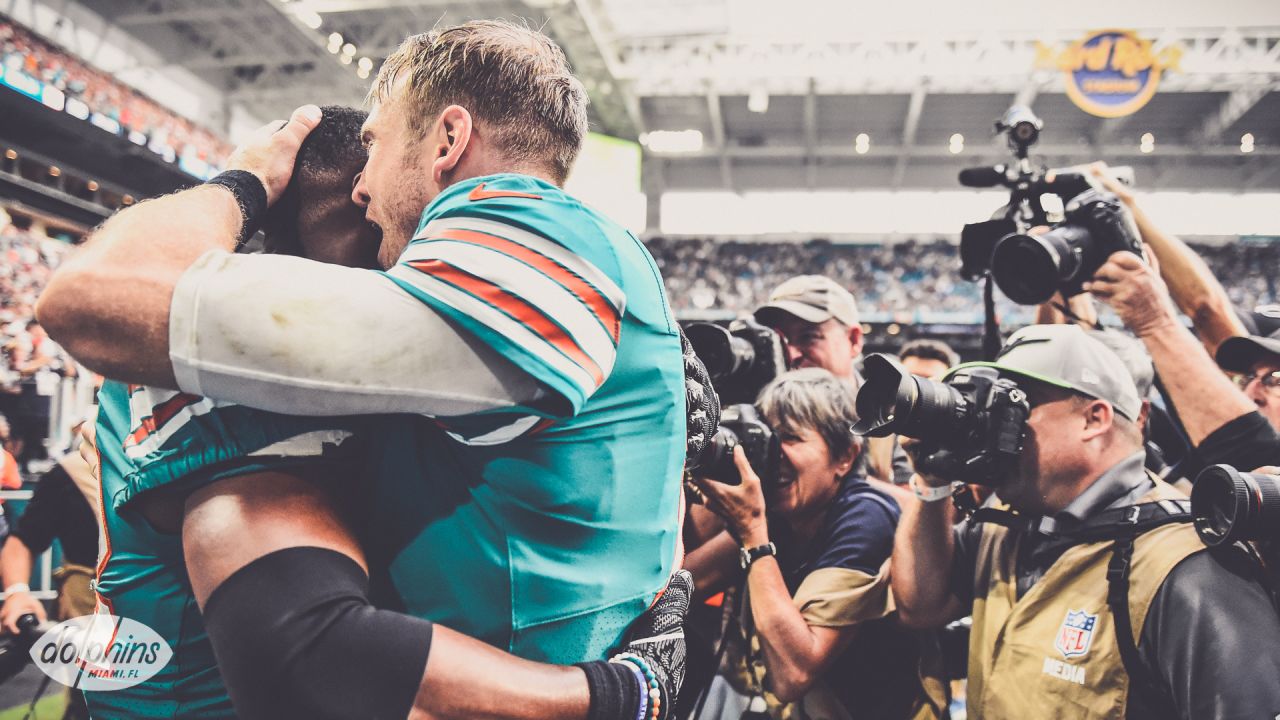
(591, 297)
(514, 306)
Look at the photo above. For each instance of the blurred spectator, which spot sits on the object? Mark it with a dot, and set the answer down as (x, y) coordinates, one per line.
(23, 50)
(10, 479)
(927, 358)
(30, 363)
(58, 510)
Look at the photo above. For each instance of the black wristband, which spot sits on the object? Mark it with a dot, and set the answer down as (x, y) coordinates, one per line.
(615, 693)
(250, 195)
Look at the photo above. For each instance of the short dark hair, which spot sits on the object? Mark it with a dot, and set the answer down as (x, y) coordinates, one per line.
(926, 349)
(332, 147)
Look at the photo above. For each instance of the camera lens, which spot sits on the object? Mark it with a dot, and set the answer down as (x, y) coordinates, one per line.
(1030, 268)
(724, 355)
(1230, 506)
(893, 400)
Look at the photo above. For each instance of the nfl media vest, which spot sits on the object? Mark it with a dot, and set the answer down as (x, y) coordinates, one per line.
(1054, 652)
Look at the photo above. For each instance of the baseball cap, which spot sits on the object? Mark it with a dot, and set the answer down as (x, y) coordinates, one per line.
(1238, 354)
(812, 298)
(1065, 356)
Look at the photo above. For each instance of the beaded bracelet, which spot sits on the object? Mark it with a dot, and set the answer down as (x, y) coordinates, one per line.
(655, 693)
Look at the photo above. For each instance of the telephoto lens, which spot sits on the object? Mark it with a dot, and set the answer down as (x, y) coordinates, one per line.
(1230, 506)
(893, 401)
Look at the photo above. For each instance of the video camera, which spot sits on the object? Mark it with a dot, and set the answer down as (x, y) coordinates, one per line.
(1030, 268)
(972, 425)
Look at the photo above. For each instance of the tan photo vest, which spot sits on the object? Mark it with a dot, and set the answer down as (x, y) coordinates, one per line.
(1054, 652)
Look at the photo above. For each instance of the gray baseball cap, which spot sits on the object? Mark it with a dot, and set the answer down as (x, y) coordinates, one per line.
(1065, 356)
(1238, 354)
(812, 298)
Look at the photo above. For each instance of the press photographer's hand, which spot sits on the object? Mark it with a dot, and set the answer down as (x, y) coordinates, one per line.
(1135, 291)
(15, 606)
(742, 506)
(932, 464)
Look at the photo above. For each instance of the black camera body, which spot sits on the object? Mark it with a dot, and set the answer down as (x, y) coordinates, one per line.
(741, 359)
(972, 426)
(742, 425)
(1030, 268)
(15, 649)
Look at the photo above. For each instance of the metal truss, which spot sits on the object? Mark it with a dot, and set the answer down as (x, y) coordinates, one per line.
(1215, 59)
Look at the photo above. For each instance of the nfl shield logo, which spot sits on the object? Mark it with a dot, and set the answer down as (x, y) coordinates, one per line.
(1076, 633)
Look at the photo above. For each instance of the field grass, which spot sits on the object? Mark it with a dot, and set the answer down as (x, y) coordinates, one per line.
(50, 707)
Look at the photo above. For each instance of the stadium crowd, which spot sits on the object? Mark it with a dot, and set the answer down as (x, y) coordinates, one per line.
(30, 363)
(22, 50)
(910, 279)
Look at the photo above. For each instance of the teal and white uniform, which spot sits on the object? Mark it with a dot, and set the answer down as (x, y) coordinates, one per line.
(543, 529)
(151, 438)
(533, 498)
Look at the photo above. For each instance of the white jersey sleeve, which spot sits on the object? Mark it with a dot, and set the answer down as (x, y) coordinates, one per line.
(296, 336)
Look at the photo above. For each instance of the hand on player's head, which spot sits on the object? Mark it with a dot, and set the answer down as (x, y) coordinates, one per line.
(270, 152)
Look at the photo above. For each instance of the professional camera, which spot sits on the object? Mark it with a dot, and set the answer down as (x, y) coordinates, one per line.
(973, 423)
(1029, 269)
(741, 425)
(1230, 506)
(15, 650)
(741, 360)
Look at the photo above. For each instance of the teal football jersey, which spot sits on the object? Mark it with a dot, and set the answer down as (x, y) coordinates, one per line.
(148, 439)
(543, 529)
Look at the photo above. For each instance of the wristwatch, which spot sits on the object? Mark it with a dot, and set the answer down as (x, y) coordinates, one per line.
(931, 494)
(746, 556)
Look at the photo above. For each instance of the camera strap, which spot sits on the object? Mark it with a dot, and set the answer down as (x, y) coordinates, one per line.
(1122, 526)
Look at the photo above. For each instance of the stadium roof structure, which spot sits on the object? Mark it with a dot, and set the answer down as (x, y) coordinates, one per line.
(779, 92)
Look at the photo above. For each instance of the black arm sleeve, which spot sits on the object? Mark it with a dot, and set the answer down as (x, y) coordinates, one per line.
(1212, 636)
(296, 637)
(1246, 443)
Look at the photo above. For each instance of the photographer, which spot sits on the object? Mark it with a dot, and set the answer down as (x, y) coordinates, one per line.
(813, 639)
(819, 320)
(1059, 626)
(1191, 283)
(1223, 424)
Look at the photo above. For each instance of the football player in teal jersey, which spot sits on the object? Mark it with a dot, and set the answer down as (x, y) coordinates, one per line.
(170, 442)
(157, 446)
(532, 331)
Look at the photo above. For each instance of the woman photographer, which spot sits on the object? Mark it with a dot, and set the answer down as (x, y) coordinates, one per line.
(812, 638)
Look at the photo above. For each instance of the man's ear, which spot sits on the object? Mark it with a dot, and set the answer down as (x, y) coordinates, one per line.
(855, 338)
(454, 130)
(1099, 416)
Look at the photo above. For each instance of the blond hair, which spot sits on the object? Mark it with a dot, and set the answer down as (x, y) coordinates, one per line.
(514, 81)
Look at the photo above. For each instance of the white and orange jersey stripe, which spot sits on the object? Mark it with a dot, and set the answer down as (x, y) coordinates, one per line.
(551, 302)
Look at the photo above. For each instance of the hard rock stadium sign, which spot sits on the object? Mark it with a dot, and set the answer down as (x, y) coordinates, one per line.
(1110, 73)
